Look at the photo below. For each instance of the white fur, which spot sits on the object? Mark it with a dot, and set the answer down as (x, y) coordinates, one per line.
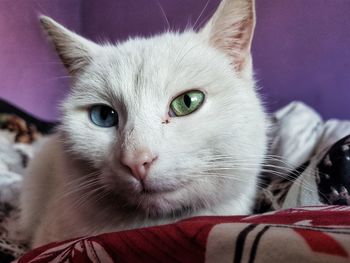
(207, 163)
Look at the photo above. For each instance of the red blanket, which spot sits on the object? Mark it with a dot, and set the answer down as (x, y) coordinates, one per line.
(308, 234)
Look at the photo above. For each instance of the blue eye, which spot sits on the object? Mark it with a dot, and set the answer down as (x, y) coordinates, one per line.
(103, 116)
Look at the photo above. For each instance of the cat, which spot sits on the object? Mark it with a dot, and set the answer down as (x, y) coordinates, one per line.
(153, 130)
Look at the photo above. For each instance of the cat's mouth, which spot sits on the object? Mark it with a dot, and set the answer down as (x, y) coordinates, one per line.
(150, 188)
(157, 198)
(147, 190)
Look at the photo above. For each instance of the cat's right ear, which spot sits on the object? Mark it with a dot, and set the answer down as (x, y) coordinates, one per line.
(74, 51)
(231, 30)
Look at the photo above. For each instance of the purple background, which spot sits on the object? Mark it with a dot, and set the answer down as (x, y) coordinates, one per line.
(301, 47)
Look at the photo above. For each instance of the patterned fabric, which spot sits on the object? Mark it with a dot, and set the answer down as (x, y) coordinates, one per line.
(18, 141)
(333, 177)
(310, 234)
(23, 131)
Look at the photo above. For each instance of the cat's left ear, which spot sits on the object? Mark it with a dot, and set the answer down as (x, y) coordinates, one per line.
(231, 30)
(74, 51)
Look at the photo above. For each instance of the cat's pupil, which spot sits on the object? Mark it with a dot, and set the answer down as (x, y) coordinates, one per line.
(187, 100)
(105, 112)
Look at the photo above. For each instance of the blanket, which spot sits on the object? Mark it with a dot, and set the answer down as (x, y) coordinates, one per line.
(310, 161)
(309, 234)
(308, 164)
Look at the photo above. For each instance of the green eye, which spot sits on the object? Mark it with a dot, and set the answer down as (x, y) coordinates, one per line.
(187, 103)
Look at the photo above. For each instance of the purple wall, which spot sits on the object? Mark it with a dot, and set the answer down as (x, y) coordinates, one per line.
(302, 52)
(30, 73)
(301, 47)
(120, 19)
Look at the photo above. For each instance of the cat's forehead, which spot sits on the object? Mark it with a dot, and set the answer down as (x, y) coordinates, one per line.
(162, 64)
(164, 48)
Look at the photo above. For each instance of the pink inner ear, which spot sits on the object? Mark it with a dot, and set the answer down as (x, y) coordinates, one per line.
(237, 45)
(231, 30)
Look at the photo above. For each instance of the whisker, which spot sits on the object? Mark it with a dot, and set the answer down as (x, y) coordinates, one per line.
(233, 177)
(164, 14)
(201, 13)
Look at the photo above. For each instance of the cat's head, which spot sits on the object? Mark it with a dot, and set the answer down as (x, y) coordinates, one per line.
(172, 121)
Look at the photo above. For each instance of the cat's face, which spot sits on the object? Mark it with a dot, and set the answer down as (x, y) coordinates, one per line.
(153, 157)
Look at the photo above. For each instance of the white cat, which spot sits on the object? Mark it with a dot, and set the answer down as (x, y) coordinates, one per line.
(153, 130)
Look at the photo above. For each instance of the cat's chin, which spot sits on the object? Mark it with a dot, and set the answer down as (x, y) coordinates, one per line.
(159, 204)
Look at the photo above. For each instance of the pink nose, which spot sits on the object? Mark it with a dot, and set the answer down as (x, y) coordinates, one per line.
(138, 163)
